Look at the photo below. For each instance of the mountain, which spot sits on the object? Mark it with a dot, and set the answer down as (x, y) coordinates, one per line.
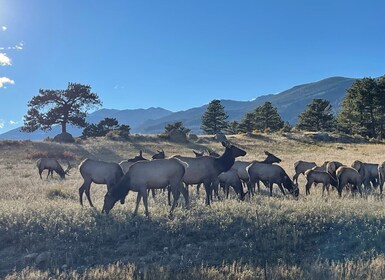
(290, 103)
(135, 118)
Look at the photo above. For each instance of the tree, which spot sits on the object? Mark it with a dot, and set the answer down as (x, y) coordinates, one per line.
(232, 128)
(176, 125)
(104, 127)
(247, 124)
(267, 117)
(51, 107)
(214, 119)
(318, 116)
(361, 109)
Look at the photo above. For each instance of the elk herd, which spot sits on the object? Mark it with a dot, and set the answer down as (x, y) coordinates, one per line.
(175, 174)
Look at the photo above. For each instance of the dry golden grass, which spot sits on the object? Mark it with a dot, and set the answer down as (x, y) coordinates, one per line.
(312, 237)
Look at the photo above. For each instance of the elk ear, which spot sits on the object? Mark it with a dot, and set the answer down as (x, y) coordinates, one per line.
(267, 153)
(226, 144)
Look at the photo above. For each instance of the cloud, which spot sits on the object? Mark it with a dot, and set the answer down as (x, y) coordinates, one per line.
(4, 28)
(1, 123)
(4, 59)
(11, 122)
(17, 47)
(5, 80)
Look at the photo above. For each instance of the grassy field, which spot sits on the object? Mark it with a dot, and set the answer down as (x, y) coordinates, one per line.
(46, 234)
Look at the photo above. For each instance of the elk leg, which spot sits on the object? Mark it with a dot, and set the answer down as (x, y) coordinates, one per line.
(41, 171)
(86, 185)
(138, 198)
(207, 186)
(175, 193)
(87, 191)
(185, 194)
(48, 173)
(271, 188)
(145, 202)
(281, 188)
(295, 178)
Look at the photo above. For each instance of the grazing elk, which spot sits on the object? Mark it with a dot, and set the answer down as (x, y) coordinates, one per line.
(271, 174)
(319, 177)
(368, 172)
(144, 175)
(240, 168)
(207, 168)
(52, 165)
(98, 172)
(348, 176)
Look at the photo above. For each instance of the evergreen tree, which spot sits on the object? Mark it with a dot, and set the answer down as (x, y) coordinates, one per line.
(61, 107)
(105, 126)
(232, 128)
(176, 125)
(318, 116)
(247, 124)
(359, 113)
(214, 119)
(267, 117)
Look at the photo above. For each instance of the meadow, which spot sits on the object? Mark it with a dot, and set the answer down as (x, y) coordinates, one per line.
(46, 234)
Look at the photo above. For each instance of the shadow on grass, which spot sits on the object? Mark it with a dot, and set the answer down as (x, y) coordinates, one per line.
(89, 238)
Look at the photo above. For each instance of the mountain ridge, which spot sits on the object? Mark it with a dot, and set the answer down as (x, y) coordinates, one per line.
(290, 103)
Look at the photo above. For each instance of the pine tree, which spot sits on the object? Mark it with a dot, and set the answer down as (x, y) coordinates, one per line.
(51, 107)
(318, 116)
(359, 113)
(247, 123)
(232, 128)
(214, 119)
(267, 117)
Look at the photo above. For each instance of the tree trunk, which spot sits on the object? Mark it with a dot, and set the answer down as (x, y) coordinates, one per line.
(64, 127)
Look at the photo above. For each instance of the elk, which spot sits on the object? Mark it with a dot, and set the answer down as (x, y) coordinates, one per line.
(230, 178)
(240, 168)
(125, 164)
(368, 172)
(159, 155)
(198, 154)
(144, 175)
(271, 174)
(300, 167)
(319, 177)
(348, 175)
(52, 165)
(98, 172)
(206, 169)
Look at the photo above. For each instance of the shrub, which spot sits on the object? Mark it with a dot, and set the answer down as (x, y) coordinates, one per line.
(55, 193)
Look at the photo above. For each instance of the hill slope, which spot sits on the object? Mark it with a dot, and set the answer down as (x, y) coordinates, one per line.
(290, 104)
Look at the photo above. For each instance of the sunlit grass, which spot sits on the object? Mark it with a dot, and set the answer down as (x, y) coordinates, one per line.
(312, 237)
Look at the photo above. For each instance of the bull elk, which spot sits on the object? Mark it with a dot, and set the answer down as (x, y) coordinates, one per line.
(52, 165)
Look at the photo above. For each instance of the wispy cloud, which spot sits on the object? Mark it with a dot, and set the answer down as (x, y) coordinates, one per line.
(4, 59)
(17, 47)
(11, 122)
(4, 28)
(5, 80)
(1, 123)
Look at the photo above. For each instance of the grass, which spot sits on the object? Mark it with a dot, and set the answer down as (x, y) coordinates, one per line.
(312, 237)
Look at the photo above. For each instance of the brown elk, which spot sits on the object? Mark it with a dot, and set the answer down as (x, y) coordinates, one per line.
(52, 165)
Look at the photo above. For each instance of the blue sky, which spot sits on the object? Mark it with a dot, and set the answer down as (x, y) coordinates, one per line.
(181, 54)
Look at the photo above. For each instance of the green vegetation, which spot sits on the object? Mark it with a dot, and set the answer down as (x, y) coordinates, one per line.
(214, 119)
(45, 234)
(363, 109)
(107, 126)
(176, 125)
(51, 107)
(318, 116)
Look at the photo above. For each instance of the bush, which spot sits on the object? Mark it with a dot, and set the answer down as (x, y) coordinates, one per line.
(56, 193)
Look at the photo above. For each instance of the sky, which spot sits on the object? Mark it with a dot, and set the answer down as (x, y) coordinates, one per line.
(181, 54)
